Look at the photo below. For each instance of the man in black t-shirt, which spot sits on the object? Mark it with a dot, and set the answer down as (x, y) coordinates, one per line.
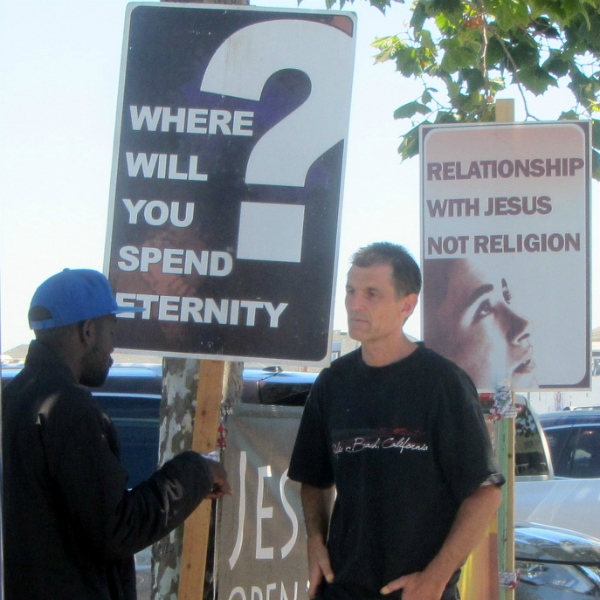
(397, 432)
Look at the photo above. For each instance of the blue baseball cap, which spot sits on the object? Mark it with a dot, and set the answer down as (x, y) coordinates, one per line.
(71, 296)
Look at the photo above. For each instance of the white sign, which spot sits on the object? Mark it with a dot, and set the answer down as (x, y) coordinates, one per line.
(505, 251)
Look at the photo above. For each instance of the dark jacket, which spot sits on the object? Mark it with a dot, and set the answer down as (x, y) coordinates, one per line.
(71, 526)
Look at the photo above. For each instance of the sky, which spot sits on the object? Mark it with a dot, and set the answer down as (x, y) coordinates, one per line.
(59, 75)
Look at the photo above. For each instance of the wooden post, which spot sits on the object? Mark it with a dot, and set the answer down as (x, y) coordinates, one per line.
(197, 526)
(505, 110)
(506, 517)
(505, 113)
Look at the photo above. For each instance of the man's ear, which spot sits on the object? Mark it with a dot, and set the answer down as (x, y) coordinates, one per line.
(87, 332)
(409, 304)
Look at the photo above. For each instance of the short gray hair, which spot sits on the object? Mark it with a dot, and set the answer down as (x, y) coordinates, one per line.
(405, 271)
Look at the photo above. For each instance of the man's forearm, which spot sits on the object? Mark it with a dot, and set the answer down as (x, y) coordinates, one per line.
(316, 506)
(472, 520)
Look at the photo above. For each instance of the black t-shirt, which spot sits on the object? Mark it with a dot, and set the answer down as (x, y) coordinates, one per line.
(404, 445)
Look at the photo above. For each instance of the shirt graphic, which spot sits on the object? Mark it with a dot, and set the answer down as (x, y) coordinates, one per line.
(399, 439)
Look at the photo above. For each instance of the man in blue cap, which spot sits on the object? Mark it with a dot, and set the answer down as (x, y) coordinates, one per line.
(71, 526)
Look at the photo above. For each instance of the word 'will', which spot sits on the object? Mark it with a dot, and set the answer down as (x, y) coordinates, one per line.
(162, 166)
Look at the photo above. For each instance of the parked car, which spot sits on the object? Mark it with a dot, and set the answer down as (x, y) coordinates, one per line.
(574, 441)
(556, 564)
(274, 386)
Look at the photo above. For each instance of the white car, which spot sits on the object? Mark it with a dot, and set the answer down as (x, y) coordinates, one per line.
(541, 496)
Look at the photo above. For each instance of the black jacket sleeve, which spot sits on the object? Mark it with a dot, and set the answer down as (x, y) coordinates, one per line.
(81, 447)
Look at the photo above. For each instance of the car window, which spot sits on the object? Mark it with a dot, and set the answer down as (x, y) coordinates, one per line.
(558, 441)
(288, 394)
(586, 453)
(530, 456)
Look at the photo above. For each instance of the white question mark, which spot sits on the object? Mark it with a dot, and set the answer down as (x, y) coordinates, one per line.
(245, 61)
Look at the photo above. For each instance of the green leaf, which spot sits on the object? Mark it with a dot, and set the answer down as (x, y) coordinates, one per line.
(426, 41)
(445, 24)
(494, 53)
(525, 53)
(511, 15)
(571, 9)
(556, 65)
(380, 4)
(522, 13)
(447, 6)
(595, 133)
(410, 109)
(497, 85)
(543, 26)
(471, 104)
(536, 79)
(387, 47)
(584, 88)
(446, 116)
(419, 16)
(569, 115)
(453, 89)
(426, 98)
(409, 146)
(474, 79)
(407, 61)
(457, 56)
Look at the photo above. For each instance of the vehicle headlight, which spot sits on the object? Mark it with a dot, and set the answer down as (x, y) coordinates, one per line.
(565, 577)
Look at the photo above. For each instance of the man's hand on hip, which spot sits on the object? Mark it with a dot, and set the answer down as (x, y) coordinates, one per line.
(416, 586)
(319, 566)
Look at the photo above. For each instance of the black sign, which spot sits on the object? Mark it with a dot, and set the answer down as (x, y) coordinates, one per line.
(227, 180)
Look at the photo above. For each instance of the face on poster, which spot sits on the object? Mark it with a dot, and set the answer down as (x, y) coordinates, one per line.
(506, 252)
(227, 180)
